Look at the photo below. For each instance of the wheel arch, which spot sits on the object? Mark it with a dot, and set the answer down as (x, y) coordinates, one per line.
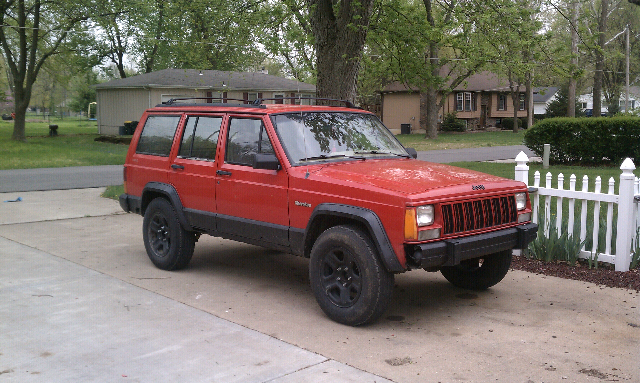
(154, 190)
(327, 215)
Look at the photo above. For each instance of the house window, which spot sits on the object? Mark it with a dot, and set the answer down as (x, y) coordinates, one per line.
(214, 97)
(583, 105)
(279, 98)
(252, 97)
(301, 101)
(465, 101)
(502, 102)
(522, 102)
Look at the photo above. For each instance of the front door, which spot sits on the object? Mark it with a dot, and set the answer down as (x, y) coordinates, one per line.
(193, 171)
(251, 203)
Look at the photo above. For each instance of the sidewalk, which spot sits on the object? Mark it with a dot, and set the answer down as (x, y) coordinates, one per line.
(63, 322)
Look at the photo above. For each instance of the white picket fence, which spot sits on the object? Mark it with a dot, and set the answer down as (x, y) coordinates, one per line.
(626, 200)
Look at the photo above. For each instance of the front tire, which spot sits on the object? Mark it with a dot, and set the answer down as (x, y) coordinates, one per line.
(168, 244)
(479, 273)
(348, 280)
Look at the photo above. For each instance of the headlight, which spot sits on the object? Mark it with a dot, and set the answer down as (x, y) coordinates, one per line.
(521, 201)
(424, 215)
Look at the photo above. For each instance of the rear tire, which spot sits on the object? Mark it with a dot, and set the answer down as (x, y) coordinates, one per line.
(347, 278)
(168, 244)
(479, 273)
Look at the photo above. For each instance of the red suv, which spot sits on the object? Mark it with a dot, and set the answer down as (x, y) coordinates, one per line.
(328, 183)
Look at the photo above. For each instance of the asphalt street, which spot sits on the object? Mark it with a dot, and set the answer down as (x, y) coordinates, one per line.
(99, 176)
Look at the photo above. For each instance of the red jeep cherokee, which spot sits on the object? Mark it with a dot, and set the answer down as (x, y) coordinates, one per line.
(328, 183)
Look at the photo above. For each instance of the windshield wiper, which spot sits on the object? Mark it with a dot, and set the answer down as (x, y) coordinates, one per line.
(327, 157)
(385, 152)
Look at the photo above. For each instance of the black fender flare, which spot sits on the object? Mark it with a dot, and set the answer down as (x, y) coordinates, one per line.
(366, 217)
(172, 195)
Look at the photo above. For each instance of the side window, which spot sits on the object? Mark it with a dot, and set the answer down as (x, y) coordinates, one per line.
(157, 135)
(200, 137)
(246, 137)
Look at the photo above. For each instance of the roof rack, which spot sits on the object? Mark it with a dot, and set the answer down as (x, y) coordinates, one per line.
(245, 103)
(347, 103)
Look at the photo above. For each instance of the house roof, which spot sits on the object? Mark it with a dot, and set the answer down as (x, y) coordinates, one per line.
(544, 94)
(482, 81)
(209, 79)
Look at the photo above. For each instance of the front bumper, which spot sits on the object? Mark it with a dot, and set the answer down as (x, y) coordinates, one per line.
(450, 252)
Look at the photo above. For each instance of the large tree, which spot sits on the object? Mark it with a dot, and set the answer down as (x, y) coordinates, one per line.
(32, 31)
(339, 29)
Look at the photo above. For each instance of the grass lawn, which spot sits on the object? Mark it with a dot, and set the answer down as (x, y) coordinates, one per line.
(74, 145)
(508, 171)
(451, 140)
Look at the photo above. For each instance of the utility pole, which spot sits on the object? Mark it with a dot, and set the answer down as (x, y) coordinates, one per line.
(626, 102)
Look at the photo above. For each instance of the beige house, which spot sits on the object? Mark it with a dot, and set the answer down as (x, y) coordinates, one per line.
(481, 101)
(126, 99)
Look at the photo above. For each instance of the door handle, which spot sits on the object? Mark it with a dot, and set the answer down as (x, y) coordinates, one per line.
(223, 173)
(177, 167)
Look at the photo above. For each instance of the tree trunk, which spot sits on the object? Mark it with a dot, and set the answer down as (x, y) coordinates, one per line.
(571, 105)
(432, 112)
(529, 99)
(599, 73)
(432, 89)
(339, 41)
(513, 87)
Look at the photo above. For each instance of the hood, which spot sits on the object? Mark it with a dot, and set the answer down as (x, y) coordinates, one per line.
(406, 176)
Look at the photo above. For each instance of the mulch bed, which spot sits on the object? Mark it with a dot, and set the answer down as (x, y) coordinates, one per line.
(604, 275)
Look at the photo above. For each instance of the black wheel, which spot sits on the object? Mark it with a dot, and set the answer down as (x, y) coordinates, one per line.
(348, 280)
(168, 244)
(479, 273)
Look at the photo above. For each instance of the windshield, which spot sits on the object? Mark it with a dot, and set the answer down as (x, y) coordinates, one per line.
(324, 136)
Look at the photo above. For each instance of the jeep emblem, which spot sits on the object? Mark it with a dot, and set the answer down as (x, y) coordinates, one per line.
(304, 204)
(477, 187)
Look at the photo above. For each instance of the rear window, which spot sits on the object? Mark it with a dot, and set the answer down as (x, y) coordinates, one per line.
(157, 135)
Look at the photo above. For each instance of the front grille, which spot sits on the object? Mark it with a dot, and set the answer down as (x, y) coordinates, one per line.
(459, 217)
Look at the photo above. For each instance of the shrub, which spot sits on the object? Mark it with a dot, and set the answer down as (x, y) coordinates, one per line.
(452, 124)
(592, 141)
(554, 247)
(507, 123)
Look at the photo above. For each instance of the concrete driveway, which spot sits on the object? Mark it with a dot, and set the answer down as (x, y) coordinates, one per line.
(80, 300)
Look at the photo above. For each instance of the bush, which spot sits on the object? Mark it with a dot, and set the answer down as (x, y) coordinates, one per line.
(452, 124)
(591, 141)
(507, 123)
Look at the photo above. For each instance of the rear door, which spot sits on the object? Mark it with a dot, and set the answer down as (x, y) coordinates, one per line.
(150, 160)
(251, 203)
(193, 171)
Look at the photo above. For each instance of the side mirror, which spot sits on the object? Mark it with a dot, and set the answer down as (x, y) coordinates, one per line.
(266, 161)
(412, 152)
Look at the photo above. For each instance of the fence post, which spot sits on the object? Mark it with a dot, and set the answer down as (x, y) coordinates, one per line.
(522, 169)
(625, 230)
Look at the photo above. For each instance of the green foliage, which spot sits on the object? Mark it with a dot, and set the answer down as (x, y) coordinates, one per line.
(83, 91)
(635, 250)
(558, 107)
(113, 192)
(591, 141)
(507, 123)
(554, 247)
(452, 124)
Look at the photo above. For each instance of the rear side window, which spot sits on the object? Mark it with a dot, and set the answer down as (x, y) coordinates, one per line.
(157, 135)
(246, 138)
(200, 137)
